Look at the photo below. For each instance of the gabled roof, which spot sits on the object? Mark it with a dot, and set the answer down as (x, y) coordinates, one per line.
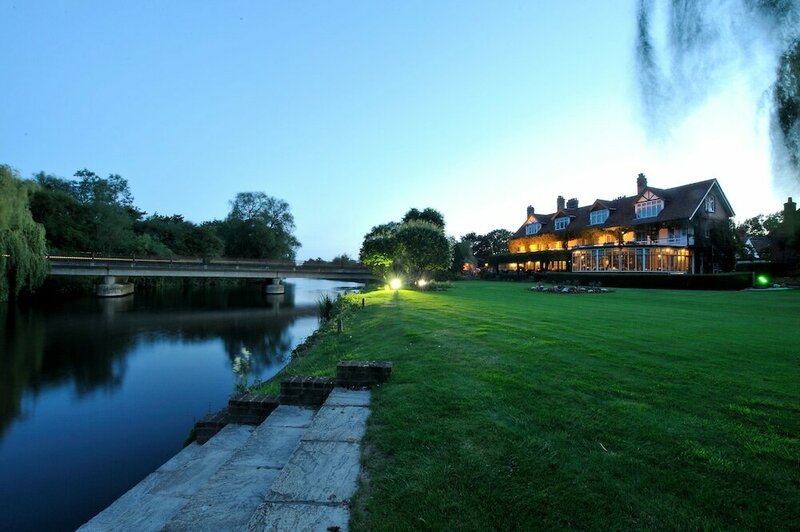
(721, 194)
(603, 204)
(680, 203)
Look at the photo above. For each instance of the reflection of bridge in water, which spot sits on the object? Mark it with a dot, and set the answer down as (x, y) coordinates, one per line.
(113, 268)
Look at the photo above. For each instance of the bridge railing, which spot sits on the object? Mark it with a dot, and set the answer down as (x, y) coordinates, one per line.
(221, 262)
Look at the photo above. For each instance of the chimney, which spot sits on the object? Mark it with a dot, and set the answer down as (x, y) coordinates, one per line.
(572, 203)
(790, 216)
(560, 203)
(530, 211)
(641, 183)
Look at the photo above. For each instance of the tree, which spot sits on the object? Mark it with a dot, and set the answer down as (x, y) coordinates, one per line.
(413, 248)
(67, 222)
(424, 249)
(23, 249)
(344, 260)
(427, 215)
(492, 243)
(93, 214)
(260, 227)
(462, 253)
(380, 248)
(760, 225)
(179, 236)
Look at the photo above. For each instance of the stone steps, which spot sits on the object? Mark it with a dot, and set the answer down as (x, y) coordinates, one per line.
(313, 490)
(231, 496)
(155, 500)
(296, 470)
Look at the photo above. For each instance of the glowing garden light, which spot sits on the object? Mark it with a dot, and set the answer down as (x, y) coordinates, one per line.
(763, 280)
(395, 284)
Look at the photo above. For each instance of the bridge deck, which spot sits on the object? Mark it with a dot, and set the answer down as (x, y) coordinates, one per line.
(201, 268)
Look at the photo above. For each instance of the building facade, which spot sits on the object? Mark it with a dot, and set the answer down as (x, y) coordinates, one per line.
(675, 230)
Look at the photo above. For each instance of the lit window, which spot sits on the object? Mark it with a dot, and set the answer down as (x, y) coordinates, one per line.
(598, 217)
(533, 228)
(711, 204)
(561, 223)
(648, 209)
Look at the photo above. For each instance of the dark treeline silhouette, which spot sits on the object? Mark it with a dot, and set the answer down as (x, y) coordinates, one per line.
(96, 214)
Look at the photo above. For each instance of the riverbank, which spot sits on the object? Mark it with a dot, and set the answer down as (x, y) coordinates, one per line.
(510, 409)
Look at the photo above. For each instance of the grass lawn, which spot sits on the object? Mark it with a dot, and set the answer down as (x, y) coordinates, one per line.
(635, 409)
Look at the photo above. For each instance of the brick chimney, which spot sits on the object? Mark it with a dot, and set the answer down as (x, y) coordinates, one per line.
(641, 183)
(530, 211)
(572, 203)
(790, 216)
(560, 202)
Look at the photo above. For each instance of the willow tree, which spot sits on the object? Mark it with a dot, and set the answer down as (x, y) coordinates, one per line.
(23, 263)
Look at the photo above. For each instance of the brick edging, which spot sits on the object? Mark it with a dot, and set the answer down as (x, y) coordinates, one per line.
(252, 408)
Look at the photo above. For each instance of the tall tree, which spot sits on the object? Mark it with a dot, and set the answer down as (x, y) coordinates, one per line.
(23, 249)
(426, 215)
(380, 248)
(492, 243)
(413, 248)
(760, 225)
(259, 226)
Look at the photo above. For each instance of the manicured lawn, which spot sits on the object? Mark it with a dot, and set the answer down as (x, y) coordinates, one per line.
(635, 409)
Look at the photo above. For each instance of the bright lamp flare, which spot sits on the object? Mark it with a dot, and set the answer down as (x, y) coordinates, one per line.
(395, 284)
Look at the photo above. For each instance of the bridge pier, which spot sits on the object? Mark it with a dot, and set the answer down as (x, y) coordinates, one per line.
(275, 287)
(114, 287)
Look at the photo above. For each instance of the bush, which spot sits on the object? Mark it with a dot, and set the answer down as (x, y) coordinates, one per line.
(436, 286)
(326, 307)
(719, 281)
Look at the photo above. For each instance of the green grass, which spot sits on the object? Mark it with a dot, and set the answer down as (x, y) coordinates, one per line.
(637, 409)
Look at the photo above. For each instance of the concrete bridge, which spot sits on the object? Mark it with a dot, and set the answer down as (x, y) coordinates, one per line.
(114, 270)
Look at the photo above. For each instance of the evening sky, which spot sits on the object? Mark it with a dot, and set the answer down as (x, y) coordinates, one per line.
(354, 112)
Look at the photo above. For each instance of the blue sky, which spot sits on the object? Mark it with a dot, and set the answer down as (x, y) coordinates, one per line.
(354, 112)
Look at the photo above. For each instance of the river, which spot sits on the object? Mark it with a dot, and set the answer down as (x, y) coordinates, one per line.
(95, 394)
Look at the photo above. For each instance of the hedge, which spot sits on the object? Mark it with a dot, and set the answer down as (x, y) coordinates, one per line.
(717, 281)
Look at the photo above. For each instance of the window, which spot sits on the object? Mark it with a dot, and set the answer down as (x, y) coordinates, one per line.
(598, 217)
(711, 203)
(533, 228)
(648, 209)
(561, 223)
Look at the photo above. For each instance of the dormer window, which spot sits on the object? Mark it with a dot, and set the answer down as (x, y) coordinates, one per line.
(533, 228)
(598, 217)
(711, 203)
(649, 206)
(561, 223)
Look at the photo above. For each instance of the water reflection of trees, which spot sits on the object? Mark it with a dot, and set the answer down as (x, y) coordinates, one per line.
(43, 348)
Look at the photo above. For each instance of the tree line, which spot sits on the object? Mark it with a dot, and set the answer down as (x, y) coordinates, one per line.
(50, 214)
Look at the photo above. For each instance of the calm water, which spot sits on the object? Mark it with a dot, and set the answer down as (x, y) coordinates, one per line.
(96, 394)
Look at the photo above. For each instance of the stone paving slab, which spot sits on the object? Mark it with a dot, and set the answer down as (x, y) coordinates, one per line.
(290, 416)
(343, 397)
(273, 442)
(321, 472)
(227, 501)
(338, 423)
(234, 493)
(154, 500)
(290, 517)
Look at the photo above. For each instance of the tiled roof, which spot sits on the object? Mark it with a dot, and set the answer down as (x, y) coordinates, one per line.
(680, 203)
